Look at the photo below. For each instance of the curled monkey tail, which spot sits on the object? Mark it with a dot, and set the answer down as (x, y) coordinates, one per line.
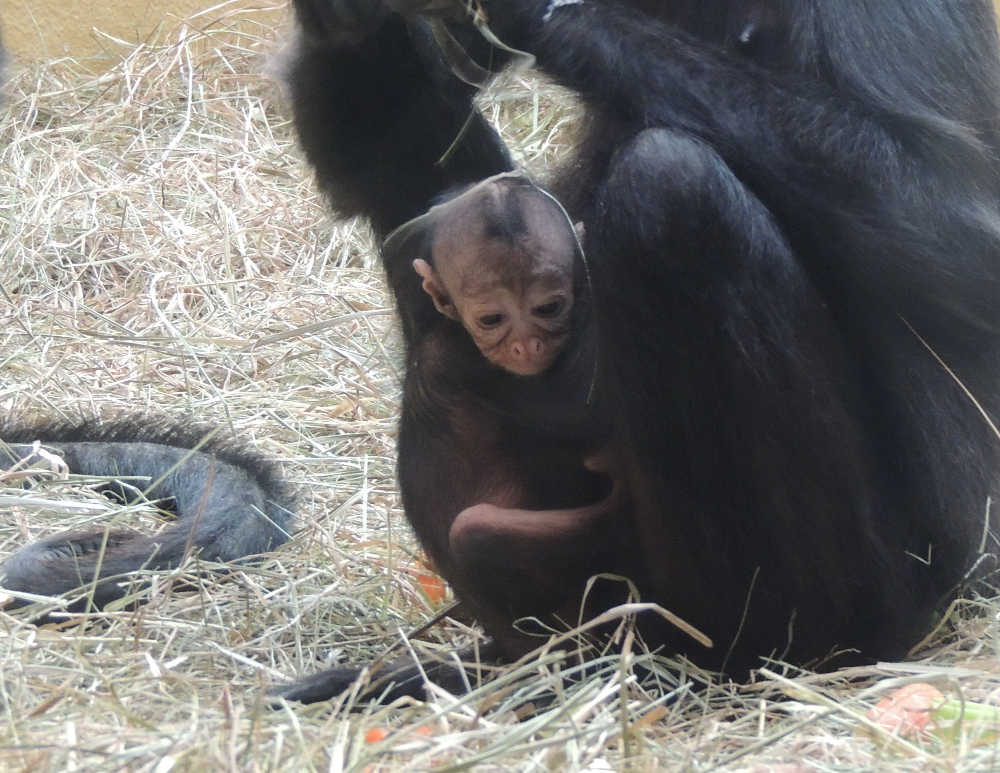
(229, 504)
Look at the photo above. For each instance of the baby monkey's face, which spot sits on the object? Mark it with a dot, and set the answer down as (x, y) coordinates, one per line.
(516, 307)
(519, 320)
(502, 259)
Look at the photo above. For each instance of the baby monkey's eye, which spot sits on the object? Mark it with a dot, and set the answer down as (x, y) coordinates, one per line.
(550, 309)
(488, 321)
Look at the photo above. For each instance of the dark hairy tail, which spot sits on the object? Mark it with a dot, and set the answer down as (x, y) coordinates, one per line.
(229, 504)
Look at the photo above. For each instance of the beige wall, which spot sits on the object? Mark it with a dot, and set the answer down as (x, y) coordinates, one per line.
(45, 29)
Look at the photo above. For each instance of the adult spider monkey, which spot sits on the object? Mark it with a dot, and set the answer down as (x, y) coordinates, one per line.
(794, 239)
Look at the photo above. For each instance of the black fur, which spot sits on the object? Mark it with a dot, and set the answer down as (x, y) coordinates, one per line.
(789, 206)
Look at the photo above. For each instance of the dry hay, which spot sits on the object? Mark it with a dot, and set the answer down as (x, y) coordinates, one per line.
(164, 249)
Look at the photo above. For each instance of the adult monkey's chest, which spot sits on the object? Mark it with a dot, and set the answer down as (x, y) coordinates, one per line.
(754, 28)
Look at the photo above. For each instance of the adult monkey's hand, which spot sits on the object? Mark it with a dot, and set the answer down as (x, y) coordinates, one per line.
(449, 8)
(349, 23)
(498, 15)
(340, 22)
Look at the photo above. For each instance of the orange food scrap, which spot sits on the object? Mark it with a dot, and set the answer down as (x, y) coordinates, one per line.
(432, 585)
(375, 734)
(908, 711)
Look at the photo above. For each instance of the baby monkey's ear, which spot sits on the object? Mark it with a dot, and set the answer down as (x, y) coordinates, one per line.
(434, 288)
